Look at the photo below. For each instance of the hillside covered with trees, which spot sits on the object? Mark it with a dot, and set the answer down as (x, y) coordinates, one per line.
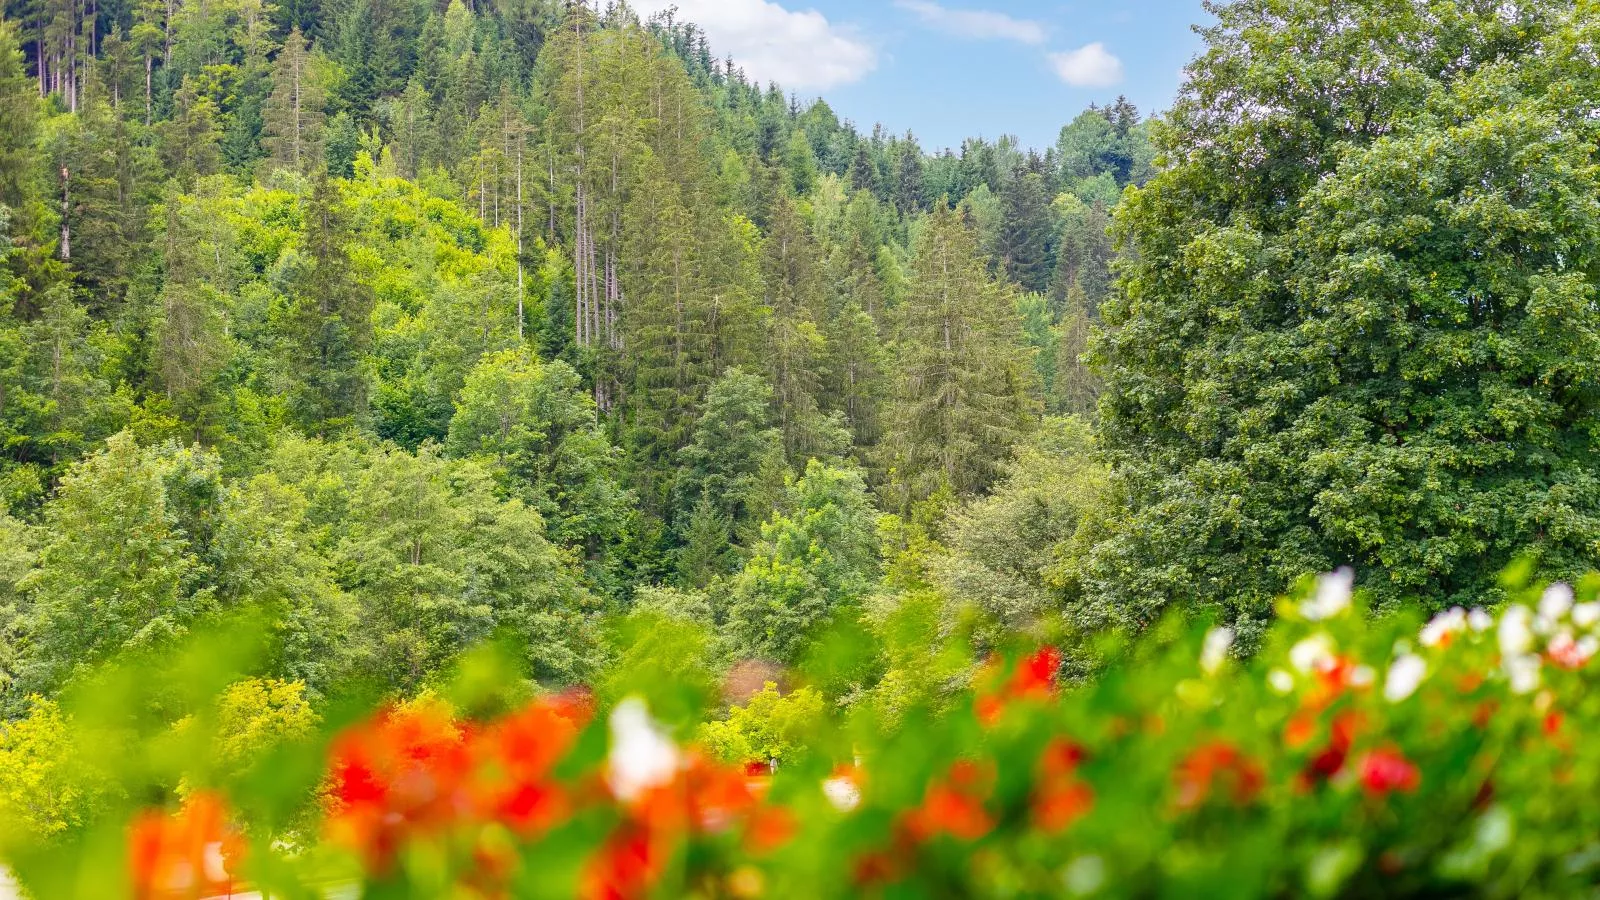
(447, 321)
(403, 327)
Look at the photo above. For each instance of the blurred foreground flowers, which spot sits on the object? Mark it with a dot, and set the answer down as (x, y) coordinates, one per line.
(1348, 757)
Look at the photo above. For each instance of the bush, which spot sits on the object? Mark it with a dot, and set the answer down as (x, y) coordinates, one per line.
(1352, 756)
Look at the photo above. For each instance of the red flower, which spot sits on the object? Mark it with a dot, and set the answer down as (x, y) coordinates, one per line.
(414, 772)
(1386, 771)
(1033, 679)
(1060, 797)
(185, 854)
(1331, 759)
(953, 806)
(626, 867)
(1217, 765)
(1036, 677)
(768, 828)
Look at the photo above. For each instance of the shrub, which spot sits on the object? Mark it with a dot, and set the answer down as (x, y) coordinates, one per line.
(1352, 756)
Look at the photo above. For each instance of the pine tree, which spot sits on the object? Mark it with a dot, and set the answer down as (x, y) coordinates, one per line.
(19, 105)
(191, 139)
(965, 385)
(863, 174)
(792, 278)
(1084, 253)
(707, 549)
(190, 329)
(729, 461)
(293, 115)
(1076, 386)
(109, 181)
(853, 373)
(1024, 236)
(331, 324)
(908, 189)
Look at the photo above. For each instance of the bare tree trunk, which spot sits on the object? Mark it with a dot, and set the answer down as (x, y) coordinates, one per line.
(521, 292)
(66, 221)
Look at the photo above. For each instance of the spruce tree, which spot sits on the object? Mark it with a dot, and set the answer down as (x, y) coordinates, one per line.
(293, 115)
(19, 106)
(794, 300)
(1077, 387)
(331, 321)
(1024, 235)
(190, 328)
(965, 388)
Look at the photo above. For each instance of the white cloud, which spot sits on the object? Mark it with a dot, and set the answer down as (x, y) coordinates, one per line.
(1088, 66)
(975, 23)
(799, 50)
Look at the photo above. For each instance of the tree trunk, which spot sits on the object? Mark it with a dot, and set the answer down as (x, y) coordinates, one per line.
(66, 222)
(520, 287)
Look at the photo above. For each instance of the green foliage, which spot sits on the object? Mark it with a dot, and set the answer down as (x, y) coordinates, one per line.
(434, 560)
(531, 423)
(1001, 550)
(966, 387)
(731, 460)
(816, 556)
(45, 785)
(126, 564)
(769, 727)
(1355, 318)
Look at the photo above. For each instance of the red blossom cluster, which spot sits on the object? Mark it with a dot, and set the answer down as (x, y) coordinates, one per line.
(1215, 768)
(418, 776)
(417, 771)
(188, 853)
(1060, 796)
(705, 798)
(1033, 679)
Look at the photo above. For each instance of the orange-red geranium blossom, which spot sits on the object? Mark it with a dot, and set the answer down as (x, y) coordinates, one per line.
(415, 772)
(953, 806)
(1060, 797)
(1385, 771)
(1034, 679)
(188, 853)
(1217, 765)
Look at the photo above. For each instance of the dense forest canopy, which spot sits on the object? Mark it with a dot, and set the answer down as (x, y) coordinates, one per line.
(416, 323)
(452, 322)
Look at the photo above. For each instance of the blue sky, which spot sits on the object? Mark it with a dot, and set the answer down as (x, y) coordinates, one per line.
(947, 69)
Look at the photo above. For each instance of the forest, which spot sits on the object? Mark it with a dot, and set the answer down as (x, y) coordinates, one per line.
(528, 359)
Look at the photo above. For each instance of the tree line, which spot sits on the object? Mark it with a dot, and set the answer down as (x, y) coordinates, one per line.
(419, 324)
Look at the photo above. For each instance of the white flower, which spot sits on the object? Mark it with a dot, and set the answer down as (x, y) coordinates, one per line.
(1332, 597)
(642, 756)
(1523, 672)
(1479, 621)
(1443, 626)
(842, 792)
(1585, 615)
(1516, 631)
(1214, 652)
(1280, 681)
(1557, 601)
(1312, 654)
(1084, 875)
(1573, 654)
(1405, 675)
(1362, 676)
